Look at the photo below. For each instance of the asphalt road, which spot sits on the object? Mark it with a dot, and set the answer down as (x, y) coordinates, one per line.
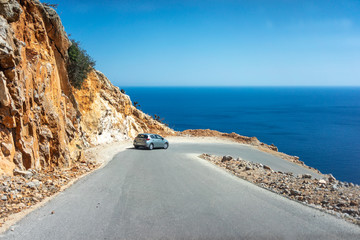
(166, 194)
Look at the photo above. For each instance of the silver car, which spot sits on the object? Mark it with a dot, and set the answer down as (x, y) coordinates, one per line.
(150, 141)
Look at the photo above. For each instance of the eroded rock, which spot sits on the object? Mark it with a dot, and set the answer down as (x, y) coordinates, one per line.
(5, 98)
(44, 122)
(10, 9)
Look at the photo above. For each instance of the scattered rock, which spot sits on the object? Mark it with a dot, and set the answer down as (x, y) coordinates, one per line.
(21, 191)
(306, 176)
(226, 158)
(267, 167)
(336, 197)
(331, 178)
(31, 185)
(341, 203)
(295, 192)
(22, 205)
(25, 174)
(322, 181)
(47, 128)
(273, 147)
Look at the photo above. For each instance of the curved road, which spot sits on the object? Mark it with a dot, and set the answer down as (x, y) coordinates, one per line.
(167, 194)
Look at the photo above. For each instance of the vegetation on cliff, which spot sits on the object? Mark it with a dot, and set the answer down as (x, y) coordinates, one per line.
(45, 123)
(80, 64)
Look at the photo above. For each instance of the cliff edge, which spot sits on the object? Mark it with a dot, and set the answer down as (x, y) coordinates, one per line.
(45, 123)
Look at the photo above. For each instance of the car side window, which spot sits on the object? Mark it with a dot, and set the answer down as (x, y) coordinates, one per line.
(152, 136)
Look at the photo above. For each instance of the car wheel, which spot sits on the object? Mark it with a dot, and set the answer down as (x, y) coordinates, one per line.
(137, 147)
(151, 146)
(166, 145)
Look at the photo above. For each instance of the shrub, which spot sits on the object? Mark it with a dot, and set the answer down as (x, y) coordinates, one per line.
(80, 64)
(50, 5)
(160, 120)
(136, 104)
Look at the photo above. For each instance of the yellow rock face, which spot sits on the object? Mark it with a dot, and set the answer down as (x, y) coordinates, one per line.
(44, 122)
(108, 115)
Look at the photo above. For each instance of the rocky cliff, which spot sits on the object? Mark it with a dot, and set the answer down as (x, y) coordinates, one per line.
(44, 121)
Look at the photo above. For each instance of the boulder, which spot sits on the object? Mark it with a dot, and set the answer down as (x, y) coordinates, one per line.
(33, 184)
(267, 167)
(322, 181)
(273, 147)
(226, 158)
(295, 192)
(4, 197)
(25, 174)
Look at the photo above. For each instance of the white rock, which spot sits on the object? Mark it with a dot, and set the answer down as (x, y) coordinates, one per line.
(322, 181)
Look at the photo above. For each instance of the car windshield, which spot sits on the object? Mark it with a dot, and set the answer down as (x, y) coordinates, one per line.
(142, 136)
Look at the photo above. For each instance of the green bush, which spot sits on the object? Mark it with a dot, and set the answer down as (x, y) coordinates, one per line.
(80, 64)
(50, 5)
(136, 104)
(160, 120)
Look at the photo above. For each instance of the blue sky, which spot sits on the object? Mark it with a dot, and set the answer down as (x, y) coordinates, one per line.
(219, 42)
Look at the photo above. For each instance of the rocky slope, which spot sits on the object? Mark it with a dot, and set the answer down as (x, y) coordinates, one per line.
(272, 149)
(339, 198)
(44, 122)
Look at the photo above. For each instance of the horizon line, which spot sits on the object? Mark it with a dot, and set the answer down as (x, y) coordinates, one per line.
(243, 86)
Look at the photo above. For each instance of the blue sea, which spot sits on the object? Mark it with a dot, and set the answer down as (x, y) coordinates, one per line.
(320, 125)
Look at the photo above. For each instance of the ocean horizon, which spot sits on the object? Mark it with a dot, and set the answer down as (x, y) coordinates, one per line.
(321, 125)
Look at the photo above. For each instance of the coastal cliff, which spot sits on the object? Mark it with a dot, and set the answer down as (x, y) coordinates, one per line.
(45, 123)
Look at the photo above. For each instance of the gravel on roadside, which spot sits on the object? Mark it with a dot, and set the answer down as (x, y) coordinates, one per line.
(27, 188)
(328, 194)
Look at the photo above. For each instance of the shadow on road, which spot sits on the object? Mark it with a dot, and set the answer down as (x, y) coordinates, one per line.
(142, 149)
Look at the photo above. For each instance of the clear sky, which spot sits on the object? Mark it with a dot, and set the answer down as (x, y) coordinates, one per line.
(219, 42)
